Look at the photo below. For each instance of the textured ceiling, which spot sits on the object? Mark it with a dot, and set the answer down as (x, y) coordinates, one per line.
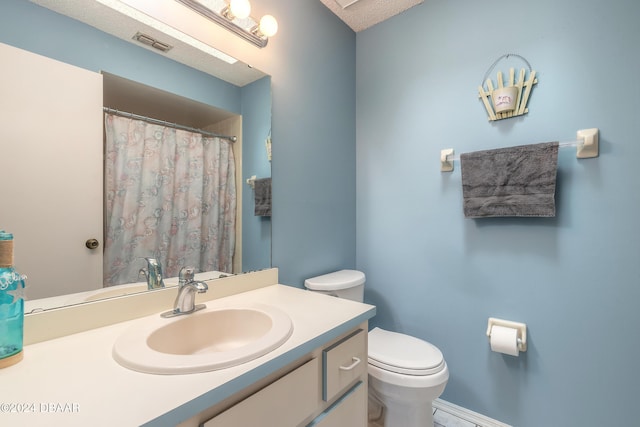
(119, 24)
(362, 14)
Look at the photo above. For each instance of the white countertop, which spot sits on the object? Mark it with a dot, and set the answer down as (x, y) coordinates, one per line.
(74, 381)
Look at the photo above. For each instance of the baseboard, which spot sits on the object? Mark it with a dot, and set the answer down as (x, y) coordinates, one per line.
(466, 414)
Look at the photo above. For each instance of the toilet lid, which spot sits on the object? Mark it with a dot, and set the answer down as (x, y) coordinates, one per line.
(403, 354)
(338, 280)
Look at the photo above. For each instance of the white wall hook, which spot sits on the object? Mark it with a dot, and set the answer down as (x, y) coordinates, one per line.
(521, 327)
(252, 181)
(446, 163)
(589, 147)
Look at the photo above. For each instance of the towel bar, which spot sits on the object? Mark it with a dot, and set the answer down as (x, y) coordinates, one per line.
(586, 143)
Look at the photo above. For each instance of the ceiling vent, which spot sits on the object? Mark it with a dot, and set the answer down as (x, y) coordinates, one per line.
(150, 41)
(346, 3)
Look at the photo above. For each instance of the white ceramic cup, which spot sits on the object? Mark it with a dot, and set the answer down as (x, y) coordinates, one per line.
(504, 99)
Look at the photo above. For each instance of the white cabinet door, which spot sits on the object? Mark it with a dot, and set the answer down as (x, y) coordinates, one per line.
(284, 403)
(51, 171)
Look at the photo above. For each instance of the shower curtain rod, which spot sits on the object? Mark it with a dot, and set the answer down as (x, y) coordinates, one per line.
(169, 124)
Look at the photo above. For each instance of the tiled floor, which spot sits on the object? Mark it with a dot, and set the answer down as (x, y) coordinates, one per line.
(445, 419)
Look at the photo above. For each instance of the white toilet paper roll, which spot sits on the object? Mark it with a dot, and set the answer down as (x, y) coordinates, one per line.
(504, 340)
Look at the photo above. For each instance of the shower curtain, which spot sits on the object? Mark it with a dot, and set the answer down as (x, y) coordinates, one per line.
(170, 195)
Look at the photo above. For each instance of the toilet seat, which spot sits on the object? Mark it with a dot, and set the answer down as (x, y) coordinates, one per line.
(404, 354)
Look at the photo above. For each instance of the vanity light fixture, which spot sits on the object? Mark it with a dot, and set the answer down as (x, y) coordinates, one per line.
(240, 9)
(235, 16)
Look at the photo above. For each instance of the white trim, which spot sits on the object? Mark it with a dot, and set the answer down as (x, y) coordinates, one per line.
(466, 414)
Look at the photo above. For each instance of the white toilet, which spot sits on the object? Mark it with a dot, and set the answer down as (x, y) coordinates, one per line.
(405, 373)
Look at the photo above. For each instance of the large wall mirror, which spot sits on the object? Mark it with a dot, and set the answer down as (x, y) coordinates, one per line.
(132, 79)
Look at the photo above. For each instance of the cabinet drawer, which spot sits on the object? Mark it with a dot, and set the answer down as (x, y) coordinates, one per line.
(283, 403)
(348, 411)
(343, 363)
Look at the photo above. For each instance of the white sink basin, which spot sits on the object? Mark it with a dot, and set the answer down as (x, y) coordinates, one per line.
(207, 340)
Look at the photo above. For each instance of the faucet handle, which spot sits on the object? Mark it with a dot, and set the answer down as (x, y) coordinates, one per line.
(153, 273)
(151, 261)
(186, 275)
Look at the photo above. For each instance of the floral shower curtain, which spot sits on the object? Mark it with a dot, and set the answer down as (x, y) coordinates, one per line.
(170, 195)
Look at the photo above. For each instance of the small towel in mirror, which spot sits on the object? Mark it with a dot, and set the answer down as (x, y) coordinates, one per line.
(262, 197)
(514, 181)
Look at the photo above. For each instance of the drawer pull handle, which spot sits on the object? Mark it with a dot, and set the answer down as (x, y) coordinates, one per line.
(355, 363)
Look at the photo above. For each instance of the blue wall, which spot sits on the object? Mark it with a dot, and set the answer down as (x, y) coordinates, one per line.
(256, 123)
(314, 132)
(573, 279)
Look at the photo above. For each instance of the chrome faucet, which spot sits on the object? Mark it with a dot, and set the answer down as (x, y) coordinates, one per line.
(187, 289)
(153, 274)
(185, 275)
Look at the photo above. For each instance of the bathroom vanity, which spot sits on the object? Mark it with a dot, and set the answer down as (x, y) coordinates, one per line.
(323, 391)
(317, 377)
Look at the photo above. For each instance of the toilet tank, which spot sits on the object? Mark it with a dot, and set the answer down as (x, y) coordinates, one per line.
(348, 284)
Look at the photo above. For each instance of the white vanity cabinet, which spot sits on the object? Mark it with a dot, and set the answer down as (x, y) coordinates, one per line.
(329, 390)
(317, 378)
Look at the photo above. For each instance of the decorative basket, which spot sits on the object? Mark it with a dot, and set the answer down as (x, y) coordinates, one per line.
(510, 100)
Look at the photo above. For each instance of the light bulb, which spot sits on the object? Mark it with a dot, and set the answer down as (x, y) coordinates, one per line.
(268, 25)
(240, 8)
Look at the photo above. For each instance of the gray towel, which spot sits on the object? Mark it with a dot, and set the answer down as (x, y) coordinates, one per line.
(515, 181)
(262, 197)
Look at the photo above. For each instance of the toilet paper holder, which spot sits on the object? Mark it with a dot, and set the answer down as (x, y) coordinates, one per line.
(521, 327)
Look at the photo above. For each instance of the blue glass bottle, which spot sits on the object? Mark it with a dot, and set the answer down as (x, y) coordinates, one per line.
(11, 305)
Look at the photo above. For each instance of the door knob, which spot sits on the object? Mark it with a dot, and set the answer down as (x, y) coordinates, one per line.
(92, 243)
